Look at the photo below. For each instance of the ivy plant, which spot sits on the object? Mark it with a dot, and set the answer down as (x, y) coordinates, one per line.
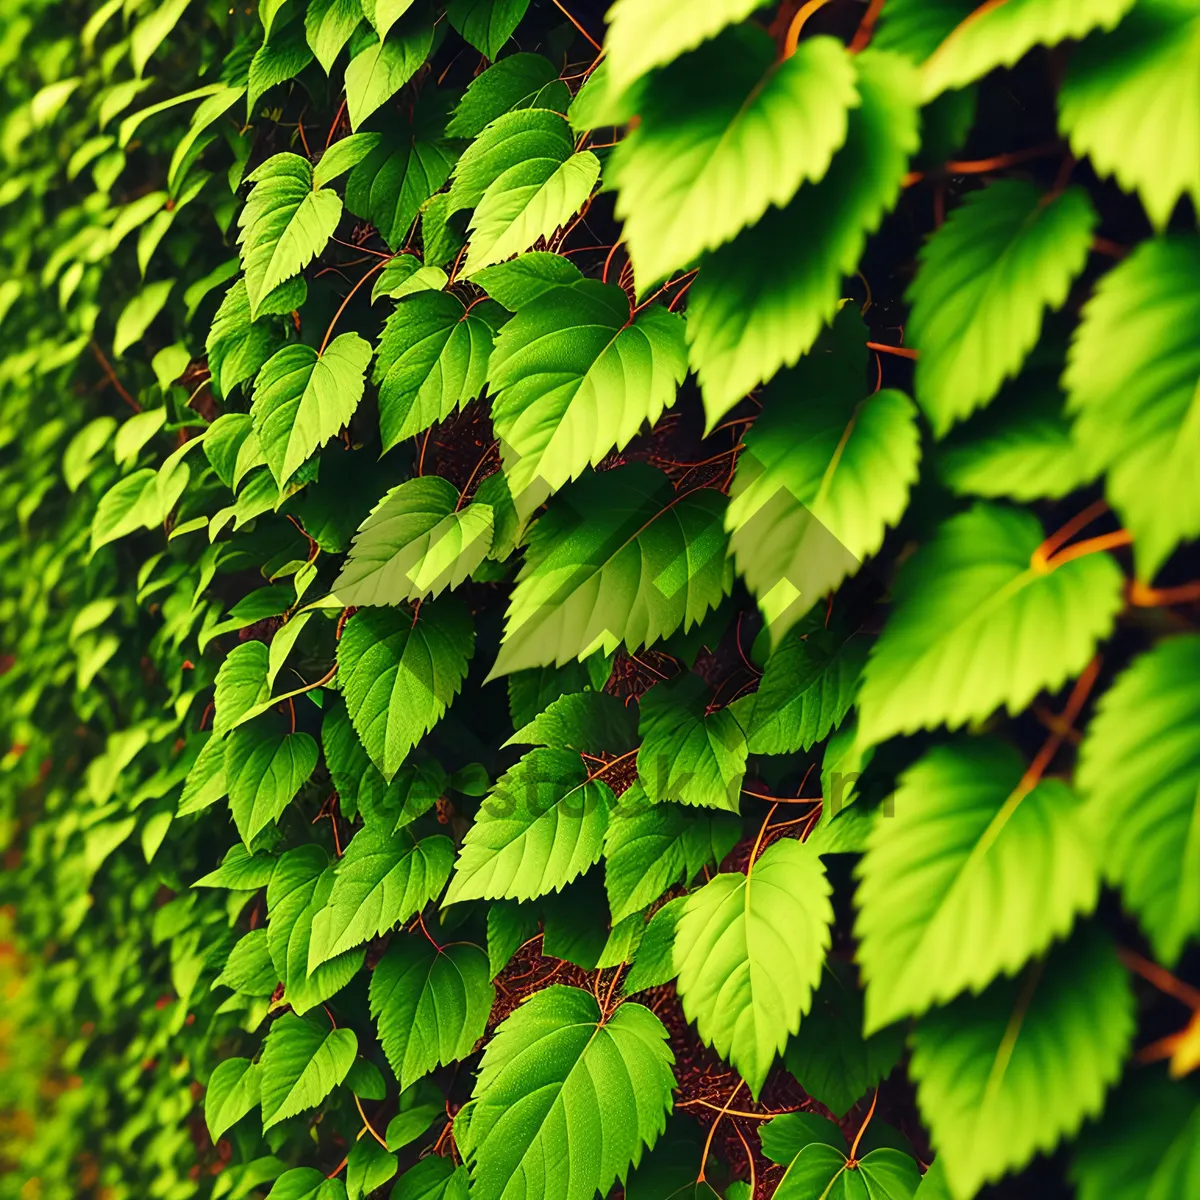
(599, 601)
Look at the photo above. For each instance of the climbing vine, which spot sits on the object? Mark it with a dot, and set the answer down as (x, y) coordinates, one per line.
(599, 600)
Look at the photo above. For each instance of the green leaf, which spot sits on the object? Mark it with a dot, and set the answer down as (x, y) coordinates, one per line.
(82, 449)
(654, 963)
(344, 155)
(303, 1062)
(647, 33)
(987, 275)
(369, 1166)
(975, 625)
(304, 989)
(293, 925)
(528, 202)
(120, 511)
(195, 294)
(302, 399)
(241, 685)
(749, 950)
(391, 184)
(554, 1073)
(419, 1105)
(188, 148)
(829, 1057)
(649, 849)
(431, 1006)
(305, 1183)
(1020, 447)
(1128, 104)
(1008, 1074)
(205, 783)
(381, 68)
(284, 225)
(718, 143)
(433, 1178)
(152, 30)
(1135, 399)
(432, 359)
(760, 301)
(514, 284)
(328, 25)
(973, 875)
(383, 14)
(405, 275)
(594, 722)
(268, 10)
(536, 135)
(1139, 771)
(399, 673)
(278, 59)
(237, 347)
(509, 927)
(299, 890)
(669, 1171)
(486, 24)
(1147, 1146)
(933, 1183)
(575, 924)
(806, 690)
(532, 691)
(381, 881)
(135, 433)
(602, 101)
(233, 1090)
(137, 315)
(516, 81)
(687, 753)
(618, 558)
(1002, 33)
(264, 771)
(419, 540)
(240, 870)
(362, 789)
(542, 826)
(574, 375)
(820, 481)
(441, 240)
(817, 1164)
(249, 968)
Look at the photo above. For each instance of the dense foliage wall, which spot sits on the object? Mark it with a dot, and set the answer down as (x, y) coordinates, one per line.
(599, 602)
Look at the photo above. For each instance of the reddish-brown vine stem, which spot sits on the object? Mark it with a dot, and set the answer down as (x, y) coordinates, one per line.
(342, 307)
(334, 125)
(370, 1128)
(608, 767)
(1142, 596)
(787, 799)
(595, 44)
(737, 1112)
(1045, 756)
(1161, 978)
(1041, 556)
(862, 1129)
(713, 1129)
(982, 166)
(462, 495)
(749, 1158)
(899, 351)
(111, 375)
(866, 27)
(798, 22)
